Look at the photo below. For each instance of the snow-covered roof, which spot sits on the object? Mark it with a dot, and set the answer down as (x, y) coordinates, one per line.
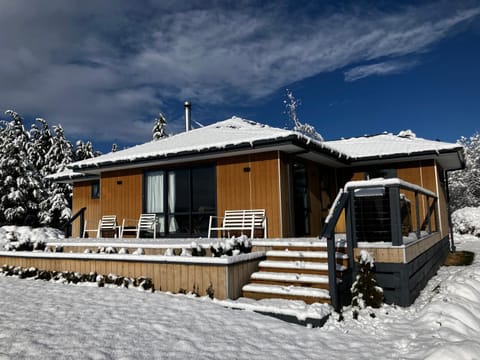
(387, 146)
(68, 176)
(240, 135)
(231, 134)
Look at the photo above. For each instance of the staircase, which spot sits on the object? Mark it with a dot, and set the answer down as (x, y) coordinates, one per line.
(296, 271)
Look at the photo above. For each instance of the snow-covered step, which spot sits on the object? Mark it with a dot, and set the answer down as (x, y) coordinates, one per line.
(297, 265)
(307, 294)
(304, 254)
(298, 254)
(290, 277)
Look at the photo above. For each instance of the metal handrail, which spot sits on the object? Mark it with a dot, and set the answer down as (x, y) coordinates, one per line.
(328, 233)
(68, 226)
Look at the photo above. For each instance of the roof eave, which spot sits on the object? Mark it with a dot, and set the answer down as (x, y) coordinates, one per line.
(439, 155)
(211, 153)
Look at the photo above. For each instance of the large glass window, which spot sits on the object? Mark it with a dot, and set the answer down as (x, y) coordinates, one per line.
(182, 198)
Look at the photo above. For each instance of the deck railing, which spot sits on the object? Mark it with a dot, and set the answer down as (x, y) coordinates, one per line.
(381, 211)
(378, 210)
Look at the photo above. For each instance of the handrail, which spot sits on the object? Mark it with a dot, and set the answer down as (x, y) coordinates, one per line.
(68, 226)
(328, 232)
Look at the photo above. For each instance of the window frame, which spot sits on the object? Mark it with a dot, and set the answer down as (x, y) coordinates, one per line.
(95, 191)
(190, 213)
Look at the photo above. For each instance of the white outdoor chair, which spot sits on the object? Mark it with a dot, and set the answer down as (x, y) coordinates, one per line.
(106, 223)
(146, 222)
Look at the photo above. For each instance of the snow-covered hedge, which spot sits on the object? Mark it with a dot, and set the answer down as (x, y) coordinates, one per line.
(69, 277)
(24, 238)
(467, 221)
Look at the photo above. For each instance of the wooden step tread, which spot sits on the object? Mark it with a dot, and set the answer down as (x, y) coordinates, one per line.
(287, 290)
(290, 277)
(304, 254)
(298, 265)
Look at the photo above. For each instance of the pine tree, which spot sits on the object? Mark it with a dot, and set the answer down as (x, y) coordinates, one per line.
(27, 196)
(22, 184)
(159, 127)
(55, 209)
(365, 292)
(84, 151)
(464, 184)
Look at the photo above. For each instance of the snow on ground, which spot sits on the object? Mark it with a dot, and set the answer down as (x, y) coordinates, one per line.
(42, 320)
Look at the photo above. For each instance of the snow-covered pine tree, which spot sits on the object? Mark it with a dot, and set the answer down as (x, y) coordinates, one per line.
(159, 128)
(22, 184)
(464, 184)
(55, 209)
(365, 292)
(291, 106)
(40, 142)
(84, 151)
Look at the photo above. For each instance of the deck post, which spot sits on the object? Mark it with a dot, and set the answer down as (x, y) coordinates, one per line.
(429, 215)
(332, 271)
(417, 215)
(395, 215)
(351, 234)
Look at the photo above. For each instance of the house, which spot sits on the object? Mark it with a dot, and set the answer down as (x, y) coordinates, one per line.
(241, 164)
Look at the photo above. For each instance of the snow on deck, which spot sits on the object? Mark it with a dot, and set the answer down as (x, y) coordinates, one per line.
(226, 260)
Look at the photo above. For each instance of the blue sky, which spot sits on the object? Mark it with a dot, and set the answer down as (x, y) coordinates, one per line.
(105, 69)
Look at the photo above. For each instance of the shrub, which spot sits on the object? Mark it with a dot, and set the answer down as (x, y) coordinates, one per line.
(365, 292)
(467, 220)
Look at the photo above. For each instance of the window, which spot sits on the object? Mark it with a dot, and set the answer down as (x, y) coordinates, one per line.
(95, 190)
(182, 198)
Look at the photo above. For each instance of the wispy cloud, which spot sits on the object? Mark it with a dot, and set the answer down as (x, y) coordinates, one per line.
(383, 68)
(102, 65)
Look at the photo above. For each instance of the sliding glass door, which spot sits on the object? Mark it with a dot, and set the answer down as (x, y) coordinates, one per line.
(182, 198)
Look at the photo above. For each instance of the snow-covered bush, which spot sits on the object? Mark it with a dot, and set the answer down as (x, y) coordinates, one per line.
(467, 220)
(232, 246)
(365, 292)
(24, 238)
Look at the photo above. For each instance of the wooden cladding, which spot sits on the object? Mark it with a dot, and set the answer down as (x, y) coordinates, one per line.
(251, 182)
(82, 197)
(400, 254)
(121, 193)
(226, 280)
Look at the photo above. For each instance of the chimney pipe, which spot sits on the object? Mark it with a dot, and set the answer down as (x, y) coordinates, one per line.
(187, 107)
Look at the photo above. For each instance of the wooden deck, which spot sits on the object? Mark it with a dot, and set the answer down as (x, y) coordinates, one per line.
(174, 273)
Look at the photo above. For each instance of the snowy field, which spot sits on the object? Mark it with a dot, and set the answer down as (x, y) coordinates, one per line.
(45, 320)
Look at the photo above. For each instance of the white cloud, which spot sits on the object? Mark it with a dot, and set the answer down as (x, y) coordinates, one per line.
(383, 68)
(97, 67)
